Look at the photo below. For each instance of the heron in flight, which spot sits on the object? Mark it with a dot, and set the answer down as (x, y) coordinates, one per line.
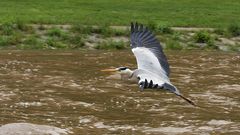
(153, 68)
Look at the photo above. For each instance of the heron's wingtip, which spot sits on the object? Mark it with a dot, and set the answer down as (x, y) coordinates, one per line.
(132, 27)
(135, 26)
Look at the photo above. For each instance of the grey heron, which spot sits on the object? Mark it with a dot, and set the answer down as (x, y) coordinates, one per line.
(153, 68)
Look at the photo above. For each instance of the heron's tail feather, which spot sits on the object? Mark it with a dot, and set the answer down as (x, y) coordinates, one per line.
(188, 100)
(173, 89)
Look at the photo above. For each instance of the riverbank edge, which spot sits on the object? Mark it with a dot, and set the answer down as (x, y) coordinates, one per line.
(68, 37)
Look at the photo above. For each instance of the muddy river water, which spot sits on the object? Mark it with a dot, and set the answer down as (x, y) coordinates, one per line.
(66, 89)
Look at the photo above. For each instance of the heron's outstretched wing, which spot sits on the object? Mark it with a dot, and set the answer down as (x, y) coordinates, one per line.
(148, 51)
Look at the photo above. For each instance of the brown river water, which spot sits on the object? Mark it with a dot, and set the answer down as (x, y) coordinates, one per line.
(66, 89)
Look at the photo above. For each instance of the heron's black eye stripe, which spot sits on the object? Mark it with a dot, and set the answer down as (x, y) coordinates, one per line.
(122, 68)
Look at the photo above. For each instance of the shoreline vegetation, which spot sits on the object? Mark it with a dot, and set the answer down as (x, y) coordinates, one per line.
(19, 35)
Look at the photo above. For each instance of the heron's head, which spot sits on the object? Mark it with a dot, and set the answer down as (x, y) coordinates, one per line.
(121, 70)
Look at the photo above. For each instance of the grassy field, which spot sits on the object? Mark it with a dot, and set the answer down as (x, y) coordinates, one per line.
(188, 13)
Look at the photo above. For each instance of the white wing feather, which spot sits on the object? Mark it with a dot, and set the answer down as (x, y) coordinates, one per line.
(147, 61)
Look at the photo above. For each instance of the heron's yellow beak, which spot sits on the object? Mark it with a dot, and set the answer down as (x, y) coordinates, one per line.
(109, 70)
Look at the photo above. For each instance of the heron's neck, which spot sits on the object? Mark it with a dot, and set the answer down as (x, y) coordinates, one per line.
(127, 74)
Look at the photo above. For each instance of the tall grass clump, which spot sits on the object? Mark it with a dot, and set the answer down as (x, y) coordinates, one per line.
(4, 41)
(32, 42)
(234, 30)
(10, 40)
(105, 30)
(55, 32)
(202, 37)
(165, 30)
(24, 27)
(10, 28)
(211, 45)
(219, 31)
(173, 45)
(7, 28)
(15, 39)
(152, 26)
(205, 37)
(76, 41)
(58, 34)
(118, 32)
(81, 29)
(55, 44)
(176, 35)
(235, 48)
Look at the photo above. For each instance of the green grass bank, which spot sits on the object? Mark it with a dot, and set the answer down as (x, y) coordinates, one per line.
(187, 13)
